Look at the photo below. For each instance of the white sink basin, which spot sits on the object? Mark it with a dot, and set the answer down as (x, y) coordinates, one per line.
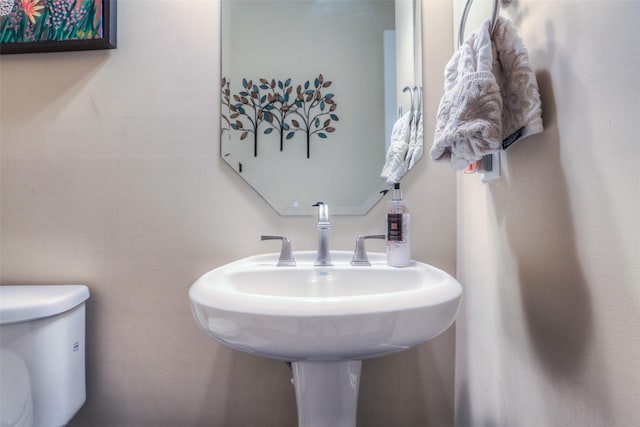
(324, 313)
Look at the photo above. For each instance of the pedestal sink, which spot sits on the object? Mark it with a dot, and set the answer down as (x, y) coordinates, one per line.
(325, 320)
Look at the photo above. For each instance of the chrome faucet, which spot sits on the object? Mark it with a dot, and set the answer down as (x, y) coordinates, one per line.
(324, 256)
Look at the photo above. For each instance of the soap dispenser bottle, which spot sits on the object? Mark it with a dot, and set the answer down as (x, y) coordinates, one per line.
(398, 242)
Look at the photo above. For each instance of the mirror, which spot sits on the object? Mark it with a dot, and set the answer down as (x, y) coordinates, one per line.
(310, 91)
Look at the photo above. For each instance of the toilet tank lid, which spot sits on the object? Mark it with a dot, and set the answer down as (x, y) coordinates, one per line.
(23, 303)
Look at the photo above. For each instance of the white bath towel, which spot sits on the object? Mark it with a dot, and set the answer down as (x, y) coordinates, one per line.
(491, 97)
(469, 120)
(521, 105)
(394, 166)
(416, 143)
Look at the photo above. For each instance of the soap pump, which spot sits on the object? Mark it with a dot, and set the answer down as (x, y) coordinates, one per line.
(398, 241)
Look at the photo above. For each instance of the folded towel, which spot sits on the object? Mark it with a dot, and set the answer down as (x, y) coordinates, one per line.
(394, 167)
(521, 105)
(416, 143)
(491, 97)
(469, 119)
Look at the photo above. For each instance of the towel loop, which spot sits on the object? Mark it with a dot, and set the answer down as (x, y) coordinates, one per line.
(412, 107)
(495, 11)
(419, 93)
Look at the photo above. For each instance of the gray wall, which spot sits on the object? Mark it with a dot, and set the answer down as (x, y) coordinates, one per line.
(549, 334)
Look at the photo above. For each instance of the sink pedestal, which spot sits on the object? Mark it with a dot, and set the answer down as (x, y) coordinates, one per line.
(327, 392)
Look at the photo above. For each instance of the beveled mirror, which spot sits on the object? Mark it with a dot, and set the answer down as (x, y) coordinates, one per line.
(310, 90)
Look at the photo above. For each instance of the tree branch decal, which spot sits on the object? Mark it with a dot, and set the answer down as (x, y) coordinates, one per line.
(225, 96)
(309, 111)
(249, 108)
(310, 106)
(277, 108)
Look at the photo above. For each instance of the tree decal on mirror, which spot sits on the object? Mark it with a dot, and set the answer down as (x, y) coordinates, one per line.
(225, 96)
(278, 107)
(309, 111)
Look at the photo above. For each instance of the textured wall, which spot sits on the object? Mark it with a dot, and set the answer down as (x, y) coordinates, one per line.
(111, 177)
(549, 334)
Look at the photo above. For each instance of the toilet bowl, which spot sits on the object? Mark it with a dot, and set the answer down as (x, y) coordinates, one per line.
(16, 405)
(42, 354)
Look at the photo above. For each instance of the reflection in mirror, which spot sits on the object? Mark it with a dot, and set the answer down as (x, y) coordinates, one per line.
(310, 90)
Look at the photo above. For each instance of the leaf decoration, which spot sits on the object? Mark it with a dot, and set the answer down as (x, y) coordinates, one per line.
(307, 110)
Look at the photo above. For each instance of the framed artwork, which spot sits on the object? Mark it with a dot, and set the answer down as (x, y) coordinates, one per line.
(28, 26)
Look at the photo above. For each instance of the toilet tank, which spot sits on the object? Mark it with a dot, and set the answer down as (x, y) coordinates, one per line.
(45, 326)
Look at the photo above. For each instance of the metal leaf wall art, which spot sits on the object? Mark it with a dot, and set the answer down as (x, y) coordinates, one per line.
(266, 107)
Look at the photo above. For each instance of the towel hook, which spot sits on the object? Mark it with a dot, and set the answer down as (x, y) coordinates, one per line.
(419, 93)
(412, 108)
(495, 11)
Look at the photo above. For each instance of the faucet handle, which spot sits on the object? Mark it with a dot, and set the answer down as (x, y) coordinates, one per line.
(286, 254)
(360, 253)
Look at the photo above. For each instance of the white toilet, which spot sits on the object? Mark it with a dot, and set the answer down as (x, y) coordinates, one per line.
(42, 354)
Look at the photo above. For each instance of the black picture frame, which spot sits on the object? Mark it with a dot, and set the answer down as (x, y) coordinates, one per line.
(107, 41)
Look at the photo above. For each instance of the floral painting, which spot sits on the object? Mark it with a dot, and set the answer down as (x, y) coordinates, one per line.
(51, 25)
